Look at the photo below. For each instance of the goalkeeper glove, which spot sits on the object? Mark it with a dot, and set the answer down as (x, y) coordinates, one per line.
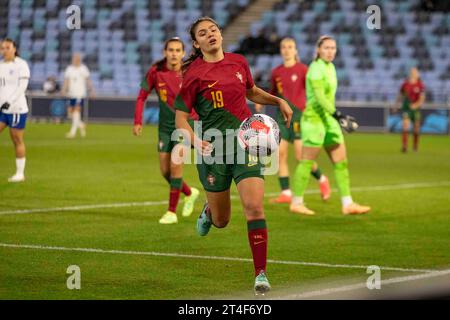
(348, 123)
(4, 106)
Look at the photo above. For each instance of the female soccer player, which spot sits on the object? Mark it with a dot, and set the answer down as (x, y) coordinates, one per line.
(76, 84)
(165, 76)
(288, 82)
(412, 92)
(216, 85)
(321, 128)
(14, 77)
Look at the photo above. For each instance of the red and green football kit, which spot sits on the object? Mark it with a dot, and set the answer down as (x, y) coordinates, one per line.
(167, 84)
(289, 84)
(411, 93)
(217, 93)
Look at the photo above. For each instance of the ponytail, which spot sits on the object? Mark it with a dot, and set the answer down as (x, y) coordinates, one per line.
(161, 63)
(196, 52)
(319, 44)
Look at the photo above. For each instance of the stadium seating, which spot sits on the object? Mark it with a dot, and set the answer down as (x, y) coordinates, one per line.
(371, 63)
(119, 39)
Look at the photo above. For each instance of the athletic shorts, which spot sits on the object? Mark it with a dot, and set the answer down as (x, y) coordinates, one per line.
(318, 133)
(413, 115)
(294, 131)
(75, 102)
(14, 120)
(218, 177)
(165, 143)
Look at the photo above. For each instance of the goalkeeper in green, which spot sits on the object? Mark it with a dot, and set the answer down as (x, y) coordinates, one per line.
(321, 127)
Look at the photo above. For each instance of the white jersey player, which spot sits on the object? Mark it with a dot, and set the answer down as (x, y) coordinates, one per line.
(14, 78)
(76, 84)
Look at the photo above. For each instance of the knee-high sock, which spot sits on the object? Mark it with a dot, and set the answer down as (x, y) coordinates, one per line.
(257, 238)
(20, 166)
(405, 140)
(175, 189)
(301, 177)
(343, 181)
(416, 140)
(185, 189)
(76, 119)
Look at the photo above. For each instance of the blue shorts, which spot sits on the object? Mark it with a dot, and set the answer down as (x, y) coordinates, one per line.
(76, 102)
(14, 120)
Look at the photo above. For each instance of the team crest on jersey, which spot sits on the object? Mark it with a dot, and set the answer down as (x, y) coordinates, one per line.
(294, 77)
(211, 179)
(239, 76)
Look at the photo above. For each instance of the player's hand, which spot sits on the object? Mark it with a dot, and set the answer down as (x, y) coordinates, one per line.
(204, 147)
(348, 123)
(137, 130)
(258, 107)
(5, 106)
(286, 111)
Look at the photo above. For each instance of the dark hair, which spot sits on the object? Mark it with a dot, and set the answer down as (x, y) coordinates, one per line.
(321, 40)
(196, 52)
(160, 63)
(13, 43)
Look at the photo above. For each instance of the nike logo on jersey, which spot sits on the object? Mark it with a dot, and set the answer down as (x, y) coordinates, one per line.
(213, 84)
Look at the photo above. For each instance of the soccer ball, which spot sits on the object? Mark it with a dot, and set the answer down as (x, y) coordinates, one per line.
(259, 135)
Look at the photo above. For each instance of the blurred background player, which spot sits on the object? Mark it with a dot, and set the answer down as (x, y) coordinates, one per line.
(216, 85)
(76, 84)
(321, 128)
(14, 78)
(288, 82)
(166, 77)
(411, 97)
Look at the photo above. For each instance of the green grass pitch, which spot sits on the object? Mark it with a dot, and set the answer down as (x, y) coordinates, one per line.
(407, 228)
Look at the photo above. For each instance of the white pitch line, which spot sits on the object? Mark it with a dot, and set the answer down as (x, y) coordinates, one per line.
(191, 256)
(86, 207)
(325, 292)
(234, 197)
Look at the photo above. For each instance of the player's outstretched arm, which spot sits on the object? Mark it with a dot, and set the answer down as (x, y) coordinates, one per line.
(257, 95)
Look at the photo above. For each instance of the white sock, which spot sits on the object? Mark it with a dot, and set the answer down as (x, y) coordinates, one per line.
(287, 192)
(297, 200)
(20, 166)
(347, 200)
(76, 119)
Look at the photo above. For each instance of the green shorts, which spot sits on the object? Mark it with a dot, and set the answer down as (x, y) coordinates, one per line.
(165, 143)
(218, 177)
(318, 133)
(413, 115)
(294, 131)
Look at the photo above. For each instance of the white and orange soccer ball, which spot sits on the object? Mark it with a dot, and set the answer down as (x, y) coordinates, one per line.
(259, 135)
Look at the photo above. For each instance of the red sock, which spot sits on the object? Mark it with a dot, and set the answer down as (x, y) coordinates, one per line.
(405, 140)
(416, 140)
(186, 189)
(257, 237)
(173, 200)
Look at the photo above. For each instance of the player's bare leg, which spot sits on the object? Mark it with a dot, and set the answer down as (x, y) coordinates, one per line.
(338, 156)
(251, 192)
(72, 131)
(217, 212)
(324, 184)
(19, 145)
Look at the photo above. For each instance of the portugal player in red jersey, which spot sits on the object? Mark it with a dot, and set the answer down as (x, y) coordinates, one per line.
(216, 85)
(412, 97)
(165, 77)
(288, 81)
